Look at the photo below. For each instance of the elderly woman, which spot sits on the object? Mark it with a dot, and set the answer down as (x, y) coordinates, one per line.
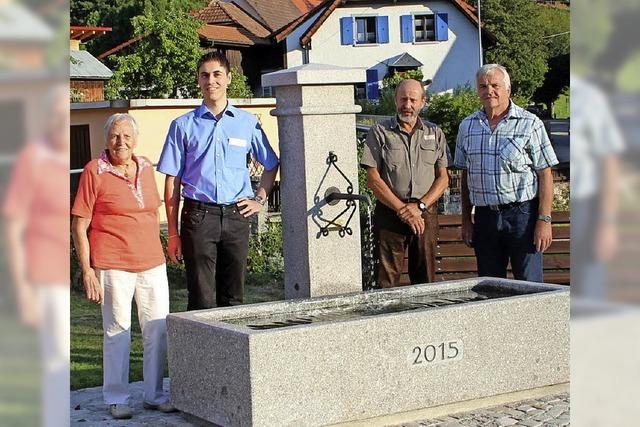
(122, 258)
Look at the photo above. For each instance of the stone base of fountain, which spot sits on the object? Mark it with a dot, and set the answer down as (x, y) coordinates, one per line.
(333, 359)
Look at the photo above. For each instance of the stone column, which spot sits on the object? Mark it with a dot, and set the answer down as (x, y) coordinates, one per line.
(316, 115)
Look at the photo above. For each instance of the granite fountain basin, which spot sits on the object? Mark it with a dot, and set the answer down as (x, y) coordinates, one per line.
(325, 360)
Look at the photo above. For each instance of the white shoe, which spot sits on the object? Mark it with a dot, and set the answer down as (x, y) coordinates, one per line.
(120, 411)
(162, 407)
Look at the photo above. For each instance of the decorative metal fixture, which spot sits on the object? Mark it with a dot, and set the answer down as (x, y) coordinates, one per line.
(333, 196)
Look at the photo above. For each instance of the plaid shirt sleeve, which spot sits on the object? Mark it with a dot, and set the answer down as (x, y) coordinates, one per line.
(539, 147)
(460, 161)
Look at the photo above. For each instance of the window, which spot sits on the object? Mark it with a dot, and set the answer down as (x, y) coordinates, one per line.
(363, 30)
(268, 92)
(424, 27)
(366, 30)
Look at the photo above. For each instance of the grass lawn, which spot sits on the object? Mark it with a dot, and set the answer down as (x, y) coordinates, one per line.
(561, 107)
(86, 329)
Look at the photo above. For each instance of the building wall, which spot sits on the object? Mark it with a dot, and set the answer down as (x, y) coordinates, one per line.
(154, 117)
(448, 63)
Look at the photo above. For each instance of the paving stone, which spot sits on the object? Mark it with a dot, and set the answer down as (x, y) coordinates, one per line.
(555, 412)
(506, 421)
(518, 415)
(87, 410)
(450, 424)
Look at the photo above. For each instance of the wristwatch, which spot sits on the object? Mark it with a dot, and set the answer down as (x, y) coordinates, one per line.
(260, 200)
(545, 218)
(422, 206)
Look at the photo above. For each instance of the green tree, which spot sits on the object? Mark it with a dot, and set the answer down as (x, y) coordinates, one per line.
(447, 110)
(555, 24)
(118, 14)
(239, 87)
(520, 45)
(164, 62)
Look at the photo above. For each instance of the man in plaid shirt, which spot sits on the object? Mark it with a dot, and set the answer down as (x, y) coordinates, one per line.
(506, 158)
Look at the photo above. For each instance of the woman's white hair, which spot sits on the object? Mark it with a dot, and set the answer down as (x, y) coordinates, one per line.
(490, 68)
(117, 118)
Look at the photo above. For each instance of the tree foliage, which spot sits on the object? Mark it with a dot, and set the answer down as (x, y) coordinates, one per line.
(520, 45)
(555, 25)
(118, 14)
(164, 62)
(447, 110)
(239, 87)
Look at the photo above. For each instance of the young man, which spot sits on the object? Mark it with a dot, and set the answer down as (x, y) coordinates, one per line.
(205, 159)
(406, 162)
(506, 158)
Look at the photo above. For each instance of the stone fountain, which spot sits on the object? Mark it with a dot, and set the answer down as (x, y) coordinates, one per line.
(332, 353)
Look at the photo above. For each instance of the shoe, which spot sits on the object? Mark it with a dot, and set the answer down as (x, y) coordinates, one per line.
(120, 411)
(162, 407)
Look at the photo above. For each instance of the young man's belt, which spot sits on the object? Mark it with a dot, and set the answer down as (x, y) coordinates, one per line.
(202, 205)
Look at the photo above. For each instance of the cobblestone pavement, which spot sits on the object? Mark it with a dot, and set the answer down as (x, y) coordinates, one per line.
(547, 411)
(87, 409)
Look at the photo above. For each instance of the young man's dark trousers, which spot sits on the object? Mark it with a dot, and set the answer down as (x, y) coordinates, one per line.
(215, 244)
(394, 238)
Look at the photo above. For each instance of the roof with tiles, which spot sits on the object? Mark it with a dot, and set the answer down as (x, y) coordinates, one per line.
(229, 34)
(277, 14)
(223, 13)
(213, 13)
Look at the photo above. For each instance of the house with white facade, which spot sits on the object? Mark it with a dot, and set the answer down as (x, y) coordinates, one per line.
(438, 37)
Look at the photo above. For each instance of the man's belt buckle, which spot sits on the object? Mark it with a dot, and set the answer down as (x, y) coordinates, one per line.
(499, 208)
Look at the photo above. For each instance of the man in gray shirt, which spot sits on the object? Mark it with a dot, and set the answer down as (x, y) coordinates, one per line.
(406, 162)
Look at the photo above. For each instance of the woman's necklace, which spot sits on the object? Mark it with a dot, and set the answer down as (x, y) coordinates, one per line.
(126, 169)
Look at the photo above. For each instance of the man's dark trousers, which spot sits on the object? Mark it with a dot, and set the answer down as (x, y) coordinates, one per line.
(215, 245)
(394, 237)
(507, 234)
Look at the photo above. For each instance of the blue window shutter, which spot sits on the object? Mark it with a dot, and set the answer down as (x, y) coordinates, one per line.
(406, 27)
(382, 29)
(346, 30)
(372, 84)
(442, 26)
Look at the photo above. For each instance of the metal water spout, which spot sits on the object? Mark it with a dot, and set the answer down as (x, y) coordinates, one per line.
(333, 195)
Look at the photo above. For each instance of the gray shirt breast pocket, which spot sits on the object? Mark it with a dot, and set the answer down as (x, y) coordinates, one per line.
(394, 157)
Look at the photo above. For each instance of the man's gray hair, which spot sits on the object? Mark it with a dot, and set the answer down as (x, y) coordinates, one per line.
(117, 118)
(490, 68)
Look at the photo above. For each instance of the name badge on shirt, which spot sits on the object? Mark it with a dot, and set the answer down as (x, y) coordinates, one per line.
(238, 142)
(429, 137)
